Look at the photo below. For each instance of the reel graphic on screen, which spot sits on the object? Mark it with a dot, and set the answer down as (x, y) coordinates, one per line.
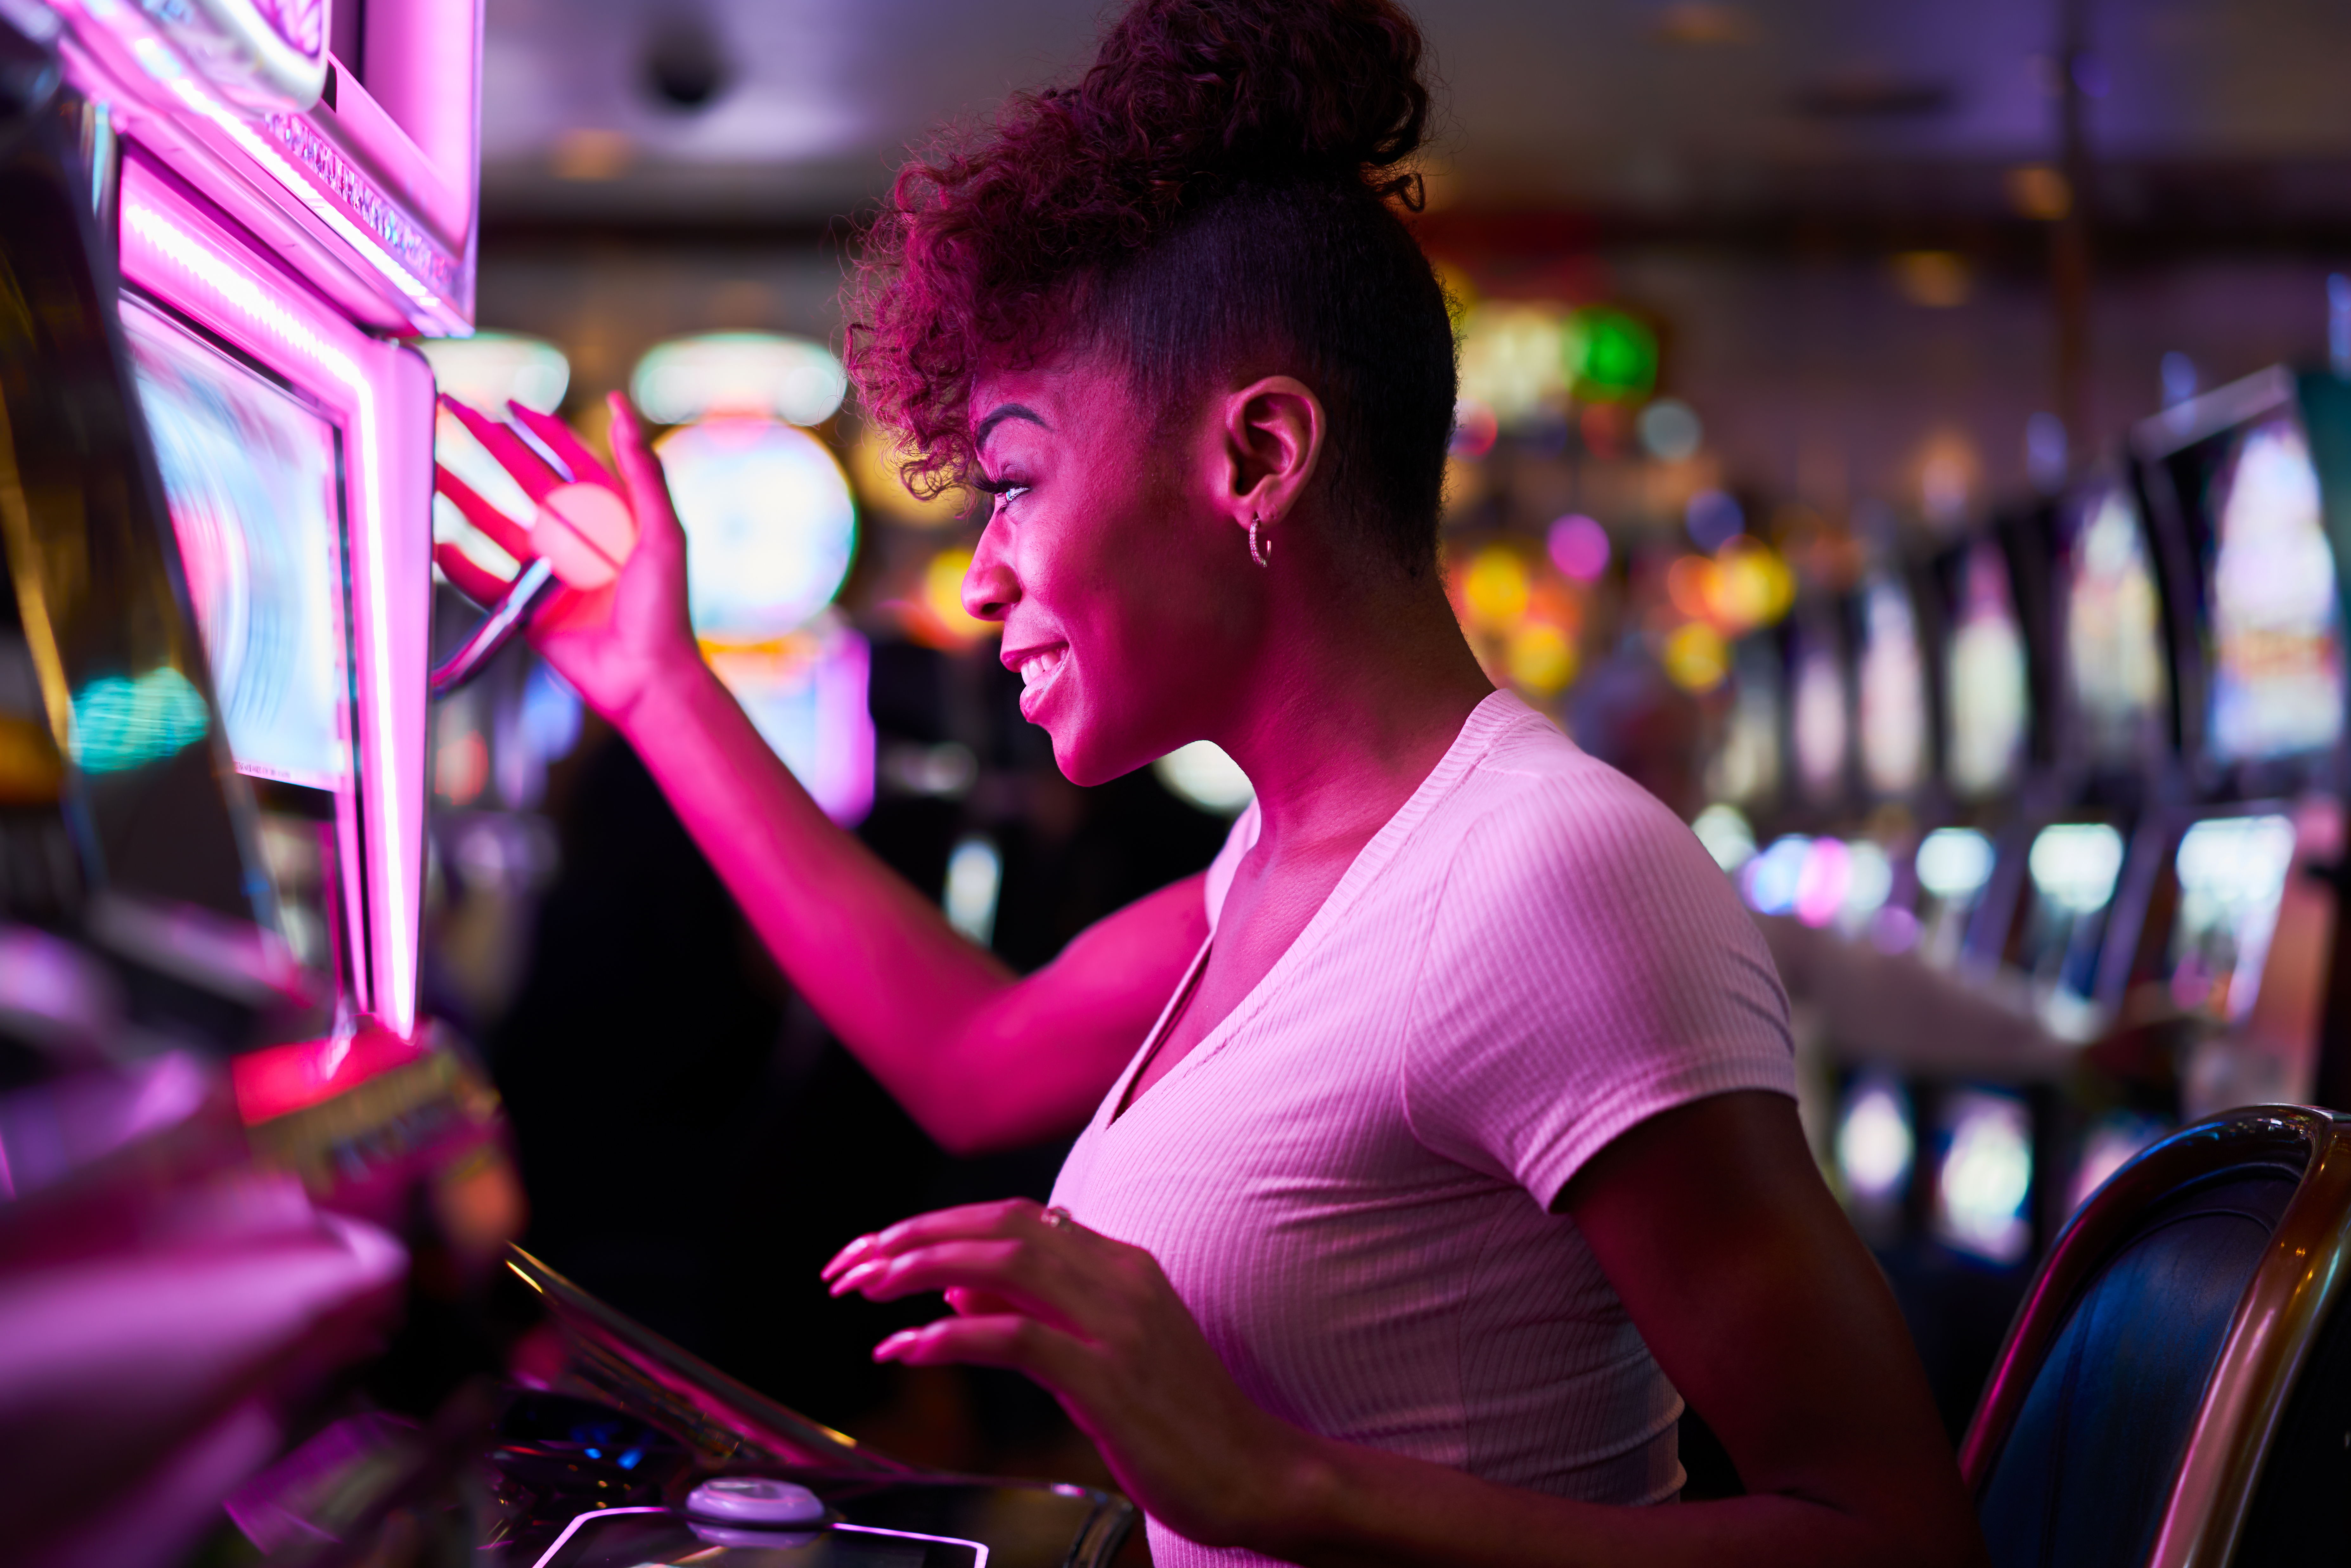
(579, 539)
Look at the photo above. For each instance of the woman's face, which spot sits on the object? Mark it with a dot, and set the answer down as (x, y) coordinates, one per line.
(1122, 581)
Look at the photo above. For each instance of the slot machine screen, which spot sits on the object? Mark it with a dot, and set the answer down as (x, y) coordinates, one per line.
(1747, 770)
(2232, 873)
(1876, 1147)
(1983, 1176)
(1893, 719)
(2274, 629)
(2074, 868)
(2117, 677)
(1953, 866)
(252, 475)
(1819, 723)
(1988, 693)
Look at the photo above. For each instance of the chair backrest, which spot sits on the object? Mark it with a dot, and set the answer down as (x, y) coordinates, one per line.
(2129, 1418)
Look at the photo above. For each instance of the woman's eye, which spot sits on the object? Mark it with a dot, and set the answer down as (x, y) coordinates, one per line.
(1005, 493)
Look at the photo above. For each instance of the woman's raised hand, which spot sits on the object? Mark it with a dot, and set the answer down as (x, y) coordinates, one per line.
(1095, 1321)
(613, 642)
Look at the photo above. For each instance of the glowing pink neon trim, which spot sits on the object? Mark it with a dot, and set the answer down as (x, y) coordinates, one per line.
(385, 393)
(134, 36)
(571, 1529)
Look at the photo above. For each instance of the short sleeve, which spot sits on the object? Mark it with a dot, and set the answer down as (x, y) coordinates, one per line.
(1588, 968)
(1219, 879)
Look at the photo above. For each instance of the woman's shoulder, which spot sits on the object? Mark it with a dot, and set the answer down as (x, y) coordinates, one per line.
(1536, 805)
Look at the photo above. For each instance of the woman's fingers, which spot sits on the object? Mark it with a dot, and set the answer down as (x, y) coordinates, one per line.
(585, 465)
(1031, 1278)
(476, 582)
(500, 529)
(1012, 1218)
(530, 470)
(1057, 1360)
(643, 480)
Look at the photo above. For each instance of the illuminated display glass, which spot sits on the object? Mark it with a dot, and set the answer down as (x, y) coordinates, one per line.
(1983, 1185)
(1953, 866)
(1747, 768)
(1892, 729)
(1818, 721)
(2115, 669)
(1988, 690)
(2232, 873)
(2275, 633)
(250, 472)
(2074, 868)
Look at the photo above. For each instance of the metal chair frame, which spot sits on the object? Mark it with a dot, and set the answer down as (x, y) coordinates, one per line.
(2277, 1320)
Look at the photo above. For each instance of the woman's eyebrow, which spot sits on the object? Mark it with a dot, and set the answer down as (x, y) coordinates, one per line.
(1003, 412)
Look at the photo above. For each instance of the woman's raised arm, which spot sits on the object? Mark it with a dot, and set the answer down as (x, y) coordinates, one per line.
(981, 1058)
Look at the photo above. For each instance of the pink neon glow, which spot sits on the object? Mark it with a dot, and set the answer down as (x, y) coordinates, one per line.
(282, 1078)
(573, 1529)
(1821, 884)
(384, 393)
(423, 60)
(121, 39)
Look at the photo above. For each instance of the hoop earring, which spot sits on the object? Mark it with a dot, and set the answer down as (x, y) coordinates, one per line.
(1263, 557)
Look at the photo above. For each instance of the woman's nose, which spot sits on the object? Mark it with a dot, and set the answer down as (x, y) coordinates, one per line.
(989, 588)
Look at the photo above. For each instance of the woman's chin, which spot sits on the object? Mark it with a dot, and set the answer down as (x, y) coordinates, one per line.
(1087, 756)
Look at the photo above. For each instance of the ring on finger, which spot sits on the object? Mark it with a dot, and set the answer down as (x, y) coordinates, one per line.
(1059, 1219)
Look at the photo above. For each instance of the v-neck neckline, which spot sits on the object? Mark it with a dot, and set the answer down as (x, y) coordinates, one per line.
(1493, 713)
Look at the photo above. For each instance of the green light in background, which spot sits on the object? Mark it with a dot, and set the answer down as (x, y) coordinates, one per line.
(1611, 357)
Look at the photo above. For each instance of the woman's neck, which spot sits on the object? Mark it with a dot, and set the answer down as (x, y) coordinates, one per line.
(1357, 697)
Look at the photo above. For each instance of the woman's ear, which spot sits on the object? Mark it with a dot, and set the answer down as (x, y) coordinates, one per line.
(1273, 438)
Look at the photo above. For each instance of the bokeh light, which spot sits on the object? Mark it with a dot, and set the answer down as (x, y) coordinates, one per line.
(1611, 357)
(792, 378)
(487, 369)
(1669, 431)
(769, 522)
(1474, 430)
(1204, 774)
(1696, 657)
(1495, 590)
(1540, 657)
(1713, 517)
(874, 461)
(934, 616)
(1511, 359)
(1578, 546)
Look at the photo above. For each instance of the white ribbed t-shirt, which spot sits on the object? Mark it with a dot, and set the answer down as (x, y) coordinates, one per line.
(1349, 1180)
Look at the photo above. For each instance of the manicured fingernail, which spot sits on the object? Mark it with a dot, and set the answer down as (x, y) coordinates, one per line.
(860, 1275)
(846, 1256)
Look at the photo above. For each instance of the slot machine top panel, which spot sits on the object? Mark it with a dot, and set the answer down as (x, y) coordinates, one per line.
(362, 181)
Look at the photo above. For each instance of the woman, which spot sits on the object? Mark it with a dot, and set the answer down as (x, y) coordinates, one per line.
(1466, 1147)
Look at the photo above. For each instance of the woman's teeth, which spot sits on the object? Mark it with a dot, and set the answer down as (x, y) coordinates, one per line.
(1039, 667)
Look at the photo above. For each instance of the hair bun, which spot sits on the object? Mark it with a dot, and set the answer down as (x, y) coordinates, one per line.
(1193, 92)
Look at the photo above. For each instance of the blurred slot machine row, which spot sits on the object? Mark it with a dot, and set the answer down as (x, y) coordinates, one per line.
(2045, 829)
(257, 1298)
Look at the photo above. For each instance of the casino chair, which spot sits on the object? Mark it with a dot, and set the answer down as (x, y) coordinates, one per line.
(2177, 1388)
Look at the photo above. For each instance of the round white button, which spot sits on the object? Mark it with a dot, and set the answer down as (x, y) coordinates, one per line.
(755, 1499)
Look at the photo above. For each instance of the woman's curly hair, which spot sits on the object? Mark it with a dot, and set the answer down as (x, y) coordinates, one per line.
(1217, 194)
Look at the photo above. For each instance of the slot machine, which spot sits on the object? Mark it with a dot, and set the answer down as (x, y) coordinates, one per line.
(2240, 932)
(255, 1302)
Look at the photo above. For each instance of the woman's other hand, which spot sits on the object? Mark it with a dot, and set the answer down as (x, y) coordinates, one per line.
(615, 642)
(1097, 1322)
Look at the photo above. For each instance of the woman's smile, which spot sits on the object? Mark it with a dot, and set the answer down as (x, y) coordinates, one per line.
(1039, 668)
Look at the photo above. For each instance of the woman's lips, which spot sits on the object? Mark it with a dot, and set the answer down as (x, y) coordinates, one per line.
(1039, 668)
